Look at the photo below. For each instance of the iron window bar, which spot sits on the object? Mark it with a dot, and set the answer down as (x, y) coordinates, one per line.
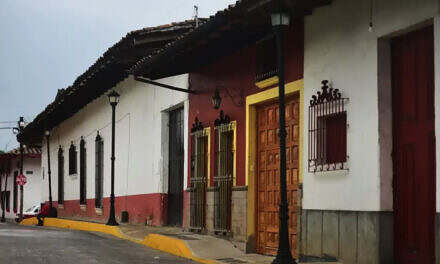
(60, 176)
(199, 158)
(327, 131)
(99, 171)
(82, 172)
(72, 159)
(224, 176)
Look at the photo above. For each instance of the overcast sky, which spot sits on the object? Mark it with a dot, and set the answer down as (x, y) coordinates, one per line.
(46, 44)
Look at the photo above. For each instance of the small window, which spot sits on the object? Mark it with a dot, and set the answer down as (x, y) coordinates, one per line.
(72, 159)
(6, 198)
(60, 176)
(332, 138)
(82, 172)
(15, 192)
(29, 172)
(266, 58)
(327, 131)
(99, 169)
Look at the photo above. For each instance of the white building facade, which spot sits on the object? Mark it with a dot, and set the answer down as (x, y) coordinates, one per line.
(349, 214)
(141, 151)
(32, 195)
(77, 127)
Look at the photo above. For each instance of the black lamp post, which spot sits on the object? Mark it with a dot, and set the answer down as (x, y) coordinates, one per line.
(113, 98)
(21, 125)
(52, 210)
(280, 21)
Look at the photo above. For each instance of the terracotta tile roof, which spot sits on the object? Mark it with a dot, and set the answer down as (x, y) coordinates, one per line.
(29, 152)
(237, 20)
(108, 70)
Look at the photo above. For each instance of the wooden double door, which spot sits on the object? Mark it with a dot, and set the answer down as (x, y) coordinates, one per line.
(268, 180)
(414, 147)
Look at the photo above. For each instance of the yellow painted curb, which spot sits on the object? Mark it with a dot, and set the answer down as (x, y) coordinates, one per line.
(160, 242)
(29, 221)
(173, 246)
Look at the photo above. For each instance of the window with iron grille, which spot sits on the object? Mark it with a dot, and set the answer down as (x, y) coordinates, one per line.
(72, 159)
(327, 130)
(15, 192)
(199, 175)
(82, 172)
(266, 59)
(60, 176)
(99, 170)
(224, 173)
(6, 198)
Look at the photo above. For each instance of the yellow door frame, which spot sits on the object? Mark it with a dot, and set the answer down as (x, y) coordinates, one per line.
(251, 145)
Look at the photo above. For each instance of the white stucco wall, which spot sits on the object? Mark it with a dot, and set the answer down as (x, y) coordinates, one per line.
(339, 48)
(32, 188)
(139, 165)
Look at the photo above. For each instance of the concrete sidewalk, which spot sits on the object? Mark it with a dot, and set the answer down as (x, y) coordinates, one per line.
(202, 246)
(173, 240)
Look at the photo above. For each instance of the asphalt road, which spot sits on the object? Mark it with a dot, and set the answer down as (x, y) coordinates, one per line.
(24, 244)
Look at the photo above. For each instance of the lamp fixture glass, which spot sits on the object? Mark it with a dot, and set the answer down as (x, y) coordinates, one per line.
(280, 19)
(21, 122)
(216, 99)
(113, 97)
(47, 133)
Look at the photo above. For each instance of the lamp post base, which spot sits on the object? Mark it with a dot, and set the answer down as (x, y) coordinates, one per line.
(284, 260)
(53, 213)
(112, 222)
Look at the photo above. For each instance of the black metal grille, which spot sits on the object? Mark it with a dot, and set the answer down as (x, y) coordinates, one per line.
(72, 159)
(60, 176)
(327, 131)
(199, 169)
(15, 192)
(223, 179)
(6, 199)
(99, 170)
(82, 172)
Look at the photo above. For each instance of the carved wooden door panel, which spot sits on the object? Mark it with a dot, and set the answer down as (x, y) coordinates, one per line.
(268, 183)
(414, 147)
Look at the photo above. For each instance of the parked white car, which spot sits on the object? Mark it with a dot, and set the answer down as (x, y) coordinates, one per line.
(31, 212)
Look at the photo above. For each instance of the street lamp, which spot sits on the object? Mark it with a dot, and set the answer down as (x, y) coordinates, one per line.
(216, 99)
(52, 210)
(21, 125)
(113, 98)
(280, 21)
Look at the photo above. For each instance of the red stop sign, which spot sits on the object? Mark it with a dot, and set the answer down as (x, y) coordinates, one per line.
(21, 180)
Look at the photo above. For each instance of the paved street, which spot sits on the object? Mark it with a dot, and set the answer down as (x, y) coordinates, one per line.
(20, 244)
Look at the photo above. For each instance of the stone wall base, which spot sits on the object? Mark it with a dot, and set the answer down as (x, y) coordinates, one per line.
(350, 237)
(238, 213)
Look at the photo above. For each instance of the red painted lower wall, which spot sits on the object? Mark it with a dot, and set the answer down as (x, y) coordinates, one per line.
(139, 207)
